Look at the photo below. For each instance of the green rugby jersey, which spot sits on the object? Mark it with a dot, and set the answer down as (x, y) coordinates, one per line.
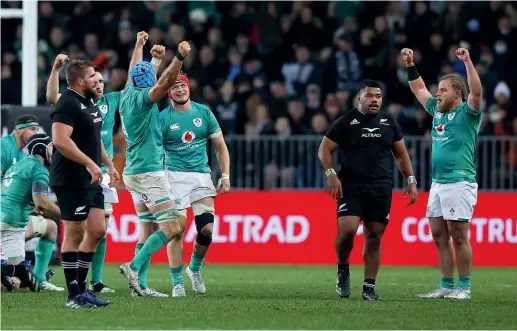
(11, 154)
(140, 119)
(185, 137)
(18, 188)
(108, 105)
(454, 136)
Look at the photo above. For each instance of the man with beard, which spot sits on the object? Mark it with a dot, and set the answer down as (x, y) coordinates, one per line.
(108, 104)
(187, 127)
(369, 139)
(456, 121)
(25, 126)
(75, 177)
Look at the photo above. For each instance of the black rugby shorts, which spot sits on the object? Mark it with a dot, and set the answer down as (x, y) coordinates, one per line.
(75, 202)
(370, 202)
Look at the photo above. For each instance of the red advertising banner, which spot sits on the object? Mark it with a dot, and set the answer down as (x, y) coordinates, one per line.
(296, 227)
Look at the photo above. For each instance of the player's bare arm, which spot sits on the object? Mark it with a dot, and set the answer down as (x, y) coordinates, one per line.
(138, 52)
(327, 147)
(61, 134)
(53, 94)
(45, 206)
(406, 168)
(170, 75)
(223, 158)
(112, 172)
(475, 97)
(416, 83)
(158, 53)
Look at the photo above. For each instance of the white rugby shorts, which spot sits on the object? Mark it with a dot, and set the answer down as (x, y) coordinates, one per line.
(452, 201)
(110, 193)
(152, 188)
(189, 187)
(12, 242)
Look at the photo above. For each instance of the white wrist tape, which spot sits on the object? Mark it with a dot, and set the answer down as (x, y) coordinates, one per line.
(155, 61)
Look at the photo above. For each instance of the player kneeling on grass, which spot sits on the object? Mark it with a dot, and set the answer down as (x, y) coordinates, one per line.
(187, 126)
(25, 187)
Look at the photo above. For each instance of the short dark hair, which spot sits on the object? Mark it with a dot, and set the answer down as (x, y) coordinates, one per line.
(98, 69)
(76, 70)
(26, 118)
(370, 83)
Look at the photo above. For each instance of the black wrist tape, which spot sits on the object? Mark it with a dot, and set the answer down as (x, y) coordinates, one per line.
(179, 56)
(412, 73)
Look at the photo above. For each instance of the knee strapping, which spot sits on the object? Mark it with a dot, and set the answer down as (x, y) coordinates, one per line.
(169, 214)
(203, 240)
(202, 220)
(199, 209)
(108, 209)
(146, 216)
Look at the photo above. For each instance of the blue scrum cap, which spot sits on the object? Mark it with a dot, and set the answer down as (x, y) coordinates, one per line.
(143, 75)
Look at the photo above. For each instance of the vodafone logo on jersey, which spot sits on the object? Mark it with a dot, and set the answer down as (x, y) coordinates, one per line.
(440, 129)
(188, 137)
(285, 227)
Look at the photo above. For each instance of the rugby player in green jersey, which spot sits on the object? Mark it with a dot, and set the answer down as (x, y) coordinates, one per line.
(24, 188)
(143, 174)
(108, 104)
(187, 128)
(457, 117)
(25, 126)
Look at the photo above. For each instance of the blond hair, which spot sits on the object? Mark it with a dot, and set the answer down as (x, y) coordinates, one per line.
(458, 83)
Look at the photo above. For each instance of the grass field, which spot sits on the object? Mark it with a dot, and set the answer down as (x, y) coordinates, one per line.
(277, 297)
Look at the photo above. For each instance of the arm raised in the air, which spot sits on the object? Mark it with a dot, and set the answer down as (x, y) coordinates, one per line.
(416, 83)
(53, 94)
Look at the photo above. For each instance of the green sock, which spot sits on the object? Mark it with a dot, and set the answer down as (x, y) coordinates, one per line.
(142, 273)
(447, 283)
(43, 254)
(177, 275)
(98, 261)
(464, 283)
(196, 261)
(152, 245)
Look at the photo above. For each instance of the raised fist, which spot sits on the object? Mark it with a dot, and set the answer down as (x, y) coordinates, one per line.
(60, 60)
(184, 48)
(463, 54)
(158, 51)
(141, 38)
(407, 55)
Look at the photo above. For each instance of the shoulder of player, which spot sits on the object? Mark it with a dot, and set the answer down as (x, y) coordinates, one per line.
(388, 116)
(344, 119)
(165, 112)
(204, 109)
(67, 100)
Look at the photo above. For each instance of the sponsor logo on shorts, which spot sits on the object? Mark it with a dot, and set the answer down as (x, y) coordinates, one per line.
(188, 137)
(197, 122)
(145, 197)
(79, 210)
(388, 216)
(342, 207)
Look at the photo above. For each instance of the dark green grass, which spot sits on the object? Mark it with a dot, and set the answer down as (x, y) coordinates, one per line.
(277, 297)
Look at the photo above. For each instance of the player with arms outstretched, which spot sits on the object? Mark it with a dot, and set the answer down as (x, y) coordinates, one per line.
(456, 121)
(143, 174)
(108, 104)
(187, 126)
(24, 188)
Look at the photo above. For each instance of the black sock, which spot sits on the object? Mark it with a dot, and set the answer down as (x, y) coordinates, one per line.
(369, 284)
(69, 261)
(84, 264)
(343, 267)
(8, 270)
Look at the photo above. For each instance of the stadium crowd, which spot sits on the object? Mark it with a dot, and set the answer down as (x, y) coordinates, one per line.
(282, 68)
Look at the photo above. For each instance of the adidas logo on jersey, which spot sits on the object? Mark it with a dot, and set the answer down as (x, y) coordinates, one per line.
(354, 122)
